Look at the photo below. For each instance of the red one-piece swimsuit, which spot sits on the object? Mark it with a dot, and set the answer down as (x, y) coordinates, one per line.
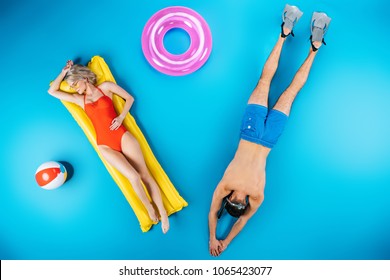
(102, 112)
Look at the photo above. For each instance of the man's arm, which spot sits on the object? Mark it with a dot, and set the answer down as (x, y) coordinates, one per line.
(241, 222)
(216, 203)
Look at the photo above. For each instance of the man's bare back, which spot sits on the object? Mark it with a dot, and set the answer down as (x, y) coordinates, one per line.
(246, 172)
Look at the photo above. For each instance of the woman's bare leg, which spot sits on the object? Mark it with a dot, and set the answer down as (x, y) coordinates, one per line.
(133, 153)
(119, 161)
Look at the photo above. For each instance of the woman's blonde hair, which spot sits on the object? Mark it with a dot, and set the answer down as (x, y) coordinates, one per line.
(79, 72)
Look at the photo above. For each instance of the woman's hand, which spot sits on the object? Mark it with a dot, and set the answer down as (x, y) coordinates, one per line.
(116, 123)
(66, 68)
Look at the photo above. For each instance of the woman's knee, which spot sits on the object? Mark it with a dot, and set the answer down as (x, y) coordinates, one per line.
(145, 176)
(133, 177)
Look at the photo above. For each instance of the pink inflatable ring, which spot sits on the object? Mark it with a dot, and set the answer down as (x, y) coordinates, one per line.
(153, 41)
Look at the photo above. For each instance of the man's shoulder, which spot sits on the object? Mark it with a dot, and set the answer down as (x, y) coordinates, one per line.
(256, 199)
(223, 188)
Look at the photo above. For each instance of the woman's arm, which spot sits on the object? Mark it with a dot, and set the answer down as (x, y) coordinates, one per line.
(115, 89)
(55, 91)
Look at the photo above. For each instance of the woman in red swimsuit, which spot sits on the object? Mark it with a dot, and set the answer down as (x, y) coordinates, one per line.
(114, 142)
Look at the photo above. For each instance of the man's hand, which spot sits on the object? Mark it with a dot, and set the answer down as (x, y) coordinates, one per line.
(215, 247)
(224, 245)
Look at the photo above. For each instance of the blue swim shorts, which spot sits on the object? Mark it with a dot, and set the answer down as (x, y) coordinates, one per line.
(261, 126)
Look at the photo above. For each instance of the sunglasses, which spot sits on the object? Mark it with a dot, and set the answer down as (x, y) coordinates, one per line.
(74, 85)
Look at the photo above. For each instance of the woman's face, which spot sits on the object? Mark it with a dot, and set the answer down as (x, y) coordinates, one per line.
(80, 86)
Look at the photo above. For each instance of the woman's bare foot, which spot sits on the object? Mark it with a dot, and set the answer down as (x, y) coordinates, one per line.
(164, 223)
(152, 214)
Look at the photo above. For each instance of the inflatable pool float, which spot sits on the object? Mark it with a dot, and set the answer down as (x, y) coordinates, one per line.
(153, 41)
(172, 200)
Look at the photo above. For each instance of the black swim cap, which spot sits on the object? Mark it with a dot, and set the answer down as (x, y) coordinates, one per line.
(235, 209)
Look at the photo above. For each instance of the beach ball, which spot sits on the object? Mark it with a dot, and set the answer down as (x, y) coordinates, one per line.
(50, 175)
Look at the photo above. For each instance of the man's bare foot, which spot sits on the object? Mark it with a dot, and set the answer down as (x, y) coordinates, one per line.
(319, 25)
(286, 31)
(317, 45)
(290, 16)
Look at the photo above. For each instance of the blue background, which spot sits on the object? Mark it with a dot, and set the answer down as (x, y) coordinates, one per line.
(327, 192)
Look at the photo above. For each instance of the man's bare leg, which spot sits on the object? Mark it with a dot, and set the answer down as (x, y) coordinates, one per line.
(286, 100)
(319, 26)
(290, 16)
(260, 93)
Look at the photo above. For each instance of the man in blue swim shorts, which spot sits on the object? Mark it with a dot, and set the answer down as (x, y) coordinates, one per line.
(241, 190)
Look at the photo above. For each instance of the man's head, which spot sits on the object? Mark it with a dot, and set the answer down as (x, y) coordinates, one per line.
(235, 204)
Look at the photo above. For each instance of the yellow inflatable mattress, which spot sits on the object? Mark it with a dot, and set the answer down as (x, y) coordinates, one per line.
(173, 202)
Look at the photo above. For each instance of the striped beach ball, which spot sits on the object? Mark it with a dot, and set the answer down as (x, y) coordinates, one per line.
(50, 175)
